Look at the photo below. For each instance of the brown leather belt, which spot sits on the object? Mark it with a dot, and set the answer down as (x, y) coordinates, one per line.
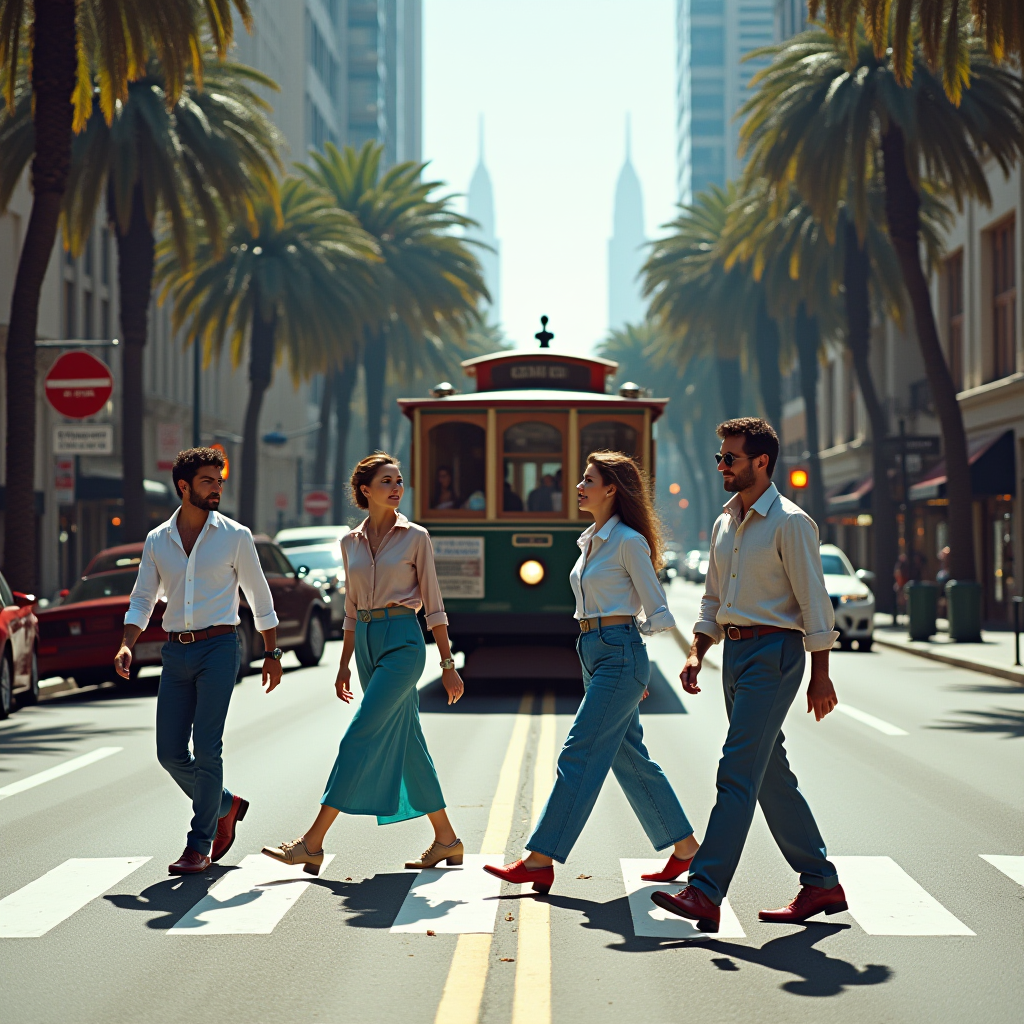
(199, 634)
(596, 621)
(391, 612)
(753, 632)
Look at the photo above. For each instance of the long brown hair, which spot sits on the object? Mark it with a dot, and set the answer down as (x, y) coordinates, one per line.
(632, 497)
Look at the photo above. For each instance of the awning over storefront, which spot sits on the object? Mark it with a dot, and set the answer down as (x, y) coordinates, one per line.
(991, 459)
(851, 497)
(110, 488)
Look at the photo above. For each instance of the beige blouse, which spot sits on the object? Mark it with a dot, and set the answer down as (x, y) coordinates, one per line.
(402, 573)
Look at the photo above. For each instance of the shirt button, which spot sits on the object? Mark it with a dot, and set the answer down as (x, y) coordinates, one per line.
(729, 605)
(735, 549)
(734, 575)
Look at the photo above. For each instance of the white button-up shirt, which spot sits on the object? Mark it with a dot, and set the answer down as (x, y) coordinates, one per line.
(614, 576)
(201, 588)
(765, 570)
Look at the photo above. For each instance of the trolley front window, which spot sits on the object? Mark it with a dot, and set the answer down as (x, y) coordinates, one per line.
(456, 477)
(533, 457)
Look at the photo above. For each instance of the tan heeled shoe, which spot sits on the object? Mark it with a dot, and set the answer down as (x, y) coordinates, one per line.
(296, 852)
(436, 852)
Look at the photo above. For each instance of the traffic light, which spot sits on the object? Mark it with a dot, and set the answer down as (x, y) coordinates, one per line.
(798, 479)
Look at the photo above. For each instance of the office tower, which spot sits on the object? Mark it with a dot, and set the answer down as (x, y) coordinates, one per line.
(712, 78)
(626, 247)
(480, 207)
(790, 18)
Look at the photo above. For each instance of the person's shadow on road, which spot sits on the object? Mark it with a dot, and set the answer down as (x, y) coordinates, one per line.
(172, 897)
(374, 902)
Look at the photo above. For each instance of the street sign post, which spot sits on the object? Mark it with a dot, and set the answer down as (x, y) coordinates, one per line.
(64, 479)
(79, 385)
(91, 439)
(316, 503)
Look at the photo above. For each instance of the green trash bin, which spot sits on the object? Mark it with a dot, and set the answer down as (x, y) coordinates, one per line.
(922, 604)
(963, 600)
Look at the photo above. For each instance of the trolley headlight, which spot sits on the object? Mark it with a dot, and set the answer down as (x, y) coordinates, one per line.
(531, 572)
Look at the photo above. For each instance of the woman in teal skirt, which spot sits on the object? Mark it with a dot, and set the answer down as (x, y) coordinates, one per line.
(383, 765)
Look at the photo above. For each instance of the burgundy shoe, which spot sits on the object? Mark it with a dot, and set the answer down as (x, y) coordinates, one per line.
(541, 878)
(191, 862)
(810, 900)
(226, 827)
(693, 904)
(670, 872)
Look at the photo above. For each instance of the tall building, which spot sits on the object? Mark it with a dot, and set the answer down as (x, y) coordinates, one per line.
(480, 206)
(712, 39)
(626, 247)
(790, 18)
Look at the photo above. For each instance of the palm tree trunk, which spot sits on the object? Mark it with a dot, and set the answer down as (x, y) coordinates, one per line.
(808, 342)
(902, 214)
(261, 372)
(766, 346)
(323, 436)
(856, 270)
(729, 385)
(375, 364)
(53, 81)
(136, 250)
(344, 384)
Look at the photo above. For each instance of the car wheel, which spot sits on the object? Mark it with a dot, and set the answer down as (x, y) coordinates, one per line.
(31, 695)
(244, 649)
(311, 650)
(6, 688)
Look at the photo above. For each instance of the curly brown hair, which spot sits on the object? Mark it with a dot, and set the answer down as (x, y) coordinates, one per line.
(190, 461)
(632, 496)
(365, 471)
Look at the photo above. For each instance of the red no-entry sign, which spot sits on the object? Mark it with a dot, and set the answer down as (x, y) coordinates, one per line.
(79, 385)
(317, 503)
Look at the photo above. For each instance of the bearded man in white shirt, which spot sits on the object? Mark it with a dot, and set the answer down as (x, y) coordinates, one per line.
(765, 595)
(199, 559)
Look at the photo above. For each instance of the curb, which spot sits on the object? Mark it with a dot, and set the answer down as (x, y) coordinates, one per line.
(1014, 675)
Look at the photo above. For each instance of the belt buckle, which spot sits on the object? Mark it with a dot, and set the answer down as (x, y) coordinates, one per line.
(734, 632)
(364, 615)
(191, 633)
(584, 625)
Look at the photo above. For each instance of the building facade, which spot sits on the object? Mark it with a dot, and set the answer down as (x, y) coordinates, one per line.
(626, 248)
(480, 207)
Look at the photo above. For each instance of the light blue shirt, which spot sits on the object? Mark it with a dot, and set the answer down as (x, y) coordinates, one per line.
(614, 576)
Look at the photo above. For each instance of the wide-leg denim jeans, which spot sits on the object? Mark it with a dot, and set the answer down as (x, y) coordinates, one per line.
(607, 734)
(760, 678)
(196, 684)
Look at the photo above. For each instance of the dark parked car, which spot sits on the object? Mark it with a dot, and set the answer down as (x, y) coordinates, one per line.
(322, 566)
(19, 667)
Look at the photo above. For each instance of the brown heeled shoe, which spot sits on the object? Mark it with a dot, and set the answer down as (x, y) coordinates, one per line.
(293, 853)
(436, 852)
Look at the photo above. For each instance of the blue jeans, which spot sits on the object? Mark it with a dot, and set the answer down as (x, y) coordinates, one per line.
(196, 684)
(761, 678)
(607, 734)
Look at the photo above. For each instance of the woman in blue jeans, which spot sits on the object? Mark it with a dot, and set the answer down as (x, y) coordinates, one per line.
(615, 582)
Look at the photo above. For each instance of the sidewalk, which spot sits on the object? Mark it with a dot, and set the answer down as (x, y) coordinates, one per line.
(993, 656)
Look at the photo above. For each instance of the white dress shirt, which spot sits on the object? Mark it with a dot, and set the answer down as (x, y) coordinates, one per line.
(201, 588)
(765, 570)
(614, 576)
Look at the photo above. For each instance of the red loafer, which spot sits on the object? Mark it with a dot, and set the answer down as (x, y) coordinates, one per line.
(226, 827)
(693, 904)
(191, 862)
(541, 878)
(810, 900)
(670, 872)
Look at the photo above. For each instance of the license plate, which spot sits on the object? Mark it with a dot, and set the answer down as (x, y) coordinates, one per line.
(149, 651)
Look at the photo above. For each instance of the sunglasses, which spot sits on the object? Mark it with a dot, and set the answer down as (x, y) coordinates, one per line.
(728, 458)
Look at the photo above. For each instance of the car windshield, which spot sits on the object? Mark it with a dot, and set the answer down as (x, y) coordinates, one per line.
(322, 558)
(106, 563)
(109, 584)
(304, 540)
(833, 565)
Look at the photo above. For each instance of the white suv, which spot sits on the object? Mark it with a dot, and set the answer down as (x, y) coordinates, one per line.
(851, 597)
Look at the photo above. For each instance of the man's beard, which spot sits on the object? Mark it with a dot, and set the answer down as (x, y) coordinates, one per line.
(209, 504)
(741, 480)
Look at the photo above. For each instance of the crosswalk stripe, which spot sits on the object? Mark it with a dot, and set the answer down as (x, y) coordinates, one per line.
(651, 922)
(876, 723)
(42, 904)
(885, 900)
(451, 900)
(1012, 867)
(248, 901)
(57, 771)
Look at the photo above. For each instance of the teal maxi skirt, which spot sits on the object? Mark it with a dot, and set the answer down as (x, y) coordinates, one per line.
(383, 766)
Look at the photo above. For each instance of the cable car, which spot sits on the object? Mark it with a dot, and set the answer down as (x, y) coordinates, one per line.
(494, 475)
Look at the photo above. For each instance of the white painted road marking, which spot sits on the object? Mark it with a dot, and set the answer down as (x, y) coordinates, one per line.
(885, 900)
(57, 771)
(249, 901)
(1012, 867)
(876, 723)
(41, 905)
(451, 901)
(651, 922)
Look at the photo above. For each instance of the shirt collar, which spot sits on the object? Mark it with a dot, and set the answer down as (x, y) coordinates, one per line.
(400, 520)
(171, 526)
(761, 506)
(603, 534)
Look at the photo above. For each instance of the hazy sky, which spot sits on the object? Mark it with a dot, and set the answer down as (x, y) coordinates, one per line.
(554, 80)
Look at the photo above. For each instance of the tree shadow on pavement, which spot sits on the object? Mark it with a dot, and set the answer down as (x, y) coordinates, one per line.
(172, 897)
(1008, 721)
(373, 902)
(23, 737)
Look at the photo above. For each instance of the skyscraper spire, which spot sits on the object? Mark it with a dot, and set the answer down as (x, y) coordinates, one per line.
(625, 248)
(480, 207)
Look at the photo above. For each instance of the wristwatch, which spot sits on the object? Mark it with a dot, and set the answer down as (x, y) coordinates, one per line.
(448, 663)
(277, 654)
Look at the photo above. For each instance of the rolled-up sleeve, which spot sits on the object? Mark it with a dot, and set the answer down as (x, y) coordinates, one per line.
(350, 601)
(712, 599)
(801, 559)
(635, 558)
(426, 577)
(146, 589)
(254, 584)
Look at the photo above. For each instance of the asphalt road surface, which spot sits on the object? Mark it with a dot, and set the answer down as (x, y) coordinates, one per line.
(917, 782)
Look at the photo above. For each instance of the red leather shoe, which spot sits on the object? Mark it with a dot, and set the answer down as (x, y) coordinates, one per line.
(541, 878)
(226, 827)
(191, 862)
(670, 872)
(810, 900)
(693, 904)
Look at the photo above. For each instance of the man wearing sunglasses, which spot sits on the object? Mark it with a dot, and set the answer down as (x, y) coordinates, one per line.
(765, 596)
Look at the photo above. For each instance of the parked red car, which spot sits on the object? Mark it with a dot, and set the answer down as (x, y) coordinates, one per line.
(19, 669)
(80, 636)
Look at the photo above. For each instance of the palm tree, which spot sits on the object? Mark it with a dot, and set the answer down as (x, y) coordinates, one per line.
(213, 148)
(830, 126)
(428, 278)
(292, 280)
(63, 37)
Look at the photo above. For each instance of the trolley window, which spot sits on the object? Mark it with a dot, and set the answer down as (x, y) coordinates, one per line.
(602, 433)
(456, 478)
(533, 456)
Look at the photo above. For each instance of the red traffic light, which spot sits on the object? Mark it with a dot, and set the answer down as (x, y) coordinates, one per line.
(798, 479)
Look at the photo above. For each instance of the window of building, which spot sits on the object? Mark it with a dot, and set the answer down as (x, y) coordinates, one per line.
(534, 454)
(105, 256)
(88, 257)
(1004, 301)
(69, 309)
(954, 270)
(105, 319)
(363, 99)
(712, 8)
(87, 314)
(456, 470)
(706, 47)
